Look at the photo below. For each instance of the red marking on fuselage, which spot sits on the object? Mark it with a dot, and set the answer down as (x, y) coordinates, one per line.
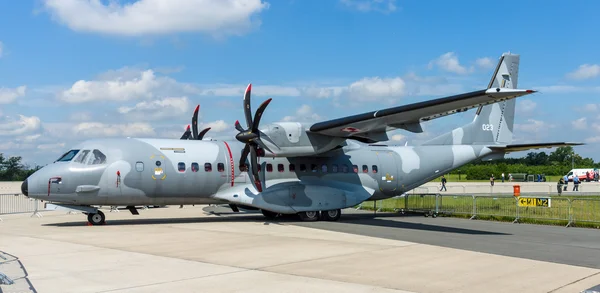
(231, 165)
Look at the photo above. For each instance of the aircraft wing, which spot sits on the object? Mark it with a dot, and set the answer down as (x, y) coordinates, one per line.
(371, 126)
(528, 146)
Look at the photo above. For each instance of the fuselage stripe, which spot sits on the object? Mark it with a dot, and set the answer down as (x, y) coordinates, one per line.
(230, 163)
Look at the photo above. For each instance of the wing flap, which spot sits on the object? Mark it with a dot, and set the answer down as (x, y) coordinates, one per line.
(410, 116)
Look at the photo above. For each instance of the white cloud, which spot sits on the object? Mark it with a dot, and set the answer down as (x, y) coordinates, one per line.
(533, 126)
(449, 62)
(567, 89)
(585, 71)
(398, 137)
(591, 108)
(23, 125)
(122, 85)
(215, 126)
(9, 95)
(580, 123)
(156, 110)
(304, 114)
(51, 146)
(97, 129)
(485, 63)
(81, 116)
(152, 17)
(526, 105)
(372, 88)
(384, 6)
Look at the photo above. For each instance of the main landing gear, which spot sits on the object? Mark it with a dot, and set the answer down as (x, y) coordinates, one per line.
(310, 216)
(330, 215)
(97, 218)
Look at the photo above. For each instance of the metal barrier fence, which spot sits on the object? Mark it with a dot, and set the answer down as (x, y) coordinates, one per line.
(18, 204)
(542, 208)
(506, 188)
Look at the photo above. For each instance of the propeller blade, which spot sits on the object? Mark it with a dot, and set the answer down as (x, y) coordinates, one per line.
(238, 126)
(202, 133)
(195, 123)
(187, 133)
(261, 144)
(258, 114)
(244, 157)
(247, 110)
(254, 163)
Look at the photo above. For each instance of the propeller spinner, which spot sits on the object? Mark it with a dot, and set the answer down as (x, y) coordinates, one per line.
(251, 136)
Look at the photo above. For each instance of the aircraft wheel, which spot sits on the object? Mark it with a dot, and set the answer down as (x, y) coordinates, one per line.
(331, 215)
(268, 214)
(97, 218)
(309, 216)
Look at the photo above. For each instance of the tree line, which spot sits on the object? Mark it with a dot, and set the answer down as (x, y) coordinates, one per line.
(558, 162)
(12, 169)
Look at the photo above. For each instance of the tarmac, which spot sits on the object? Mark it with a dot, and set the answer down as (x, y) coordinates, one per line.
(190, 250)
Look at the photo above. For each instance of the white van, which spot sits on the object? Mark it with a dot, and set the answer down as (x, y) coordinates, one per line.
(581, 173)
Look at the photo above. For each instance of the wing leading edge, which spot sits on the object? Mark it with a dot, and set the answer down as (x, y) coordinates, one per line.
(373, 125)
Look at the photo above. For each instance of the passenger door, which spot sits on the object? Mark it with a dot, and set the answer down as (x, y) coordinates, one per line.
(387, 172)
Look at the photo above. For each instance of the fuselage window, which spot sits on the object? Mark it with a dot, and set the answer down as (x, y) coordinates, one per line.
(269, 167)
(97, 158)
(313, 168)
(355, 168)
(302, 168)
(68, 156)
(334, 168)
(207, 167)
(181, 167)
(195, 167)
(139, 166)
(221, 167)
(82, 157)
(374, 167)
(365, 169)
(280, 167)
(324, 168)
(292, 167)
(345, 168)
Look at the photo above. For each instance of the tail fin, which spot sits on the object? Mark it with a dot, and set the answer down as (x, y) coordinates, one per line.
(493, 124)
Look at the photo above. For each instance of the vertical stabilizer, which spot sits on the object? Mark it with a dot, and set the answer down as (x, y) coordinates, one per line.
(493, 124)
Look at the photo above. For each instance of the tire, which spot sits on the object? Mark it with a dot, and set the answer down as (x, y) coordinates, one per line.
(309, 216)
(97, 218)
(331, 215)
(268, 214)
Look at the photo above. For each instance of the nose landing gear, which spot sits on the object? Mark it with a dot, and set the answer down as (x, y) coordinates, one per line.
(97, 218)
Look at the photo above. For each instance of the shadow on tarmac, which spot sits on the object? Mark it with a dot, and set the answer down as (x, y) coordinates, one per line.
(357, 218)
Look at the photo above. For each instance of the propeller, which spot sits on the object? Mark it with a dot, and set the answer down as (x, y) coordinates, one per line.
(193, 134)
(251, 136)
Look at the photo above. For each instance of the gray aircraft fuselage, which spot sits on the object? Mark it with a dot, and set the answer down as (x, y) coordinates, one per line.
(170, 171)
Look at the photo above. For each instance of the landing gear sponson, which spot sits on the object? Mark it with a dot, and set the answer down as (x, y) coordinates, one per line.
(330, 215)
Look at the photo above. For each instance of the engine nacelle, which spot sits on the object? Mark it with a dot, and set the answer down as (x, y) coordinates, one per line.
(292, 139)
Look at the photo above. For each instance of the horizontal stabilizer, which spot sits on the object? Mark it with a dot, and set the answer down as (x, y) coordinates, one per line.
(528, 146)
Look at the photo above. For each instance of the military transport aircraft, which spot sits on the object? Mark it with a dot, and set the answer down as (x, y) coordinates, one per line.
(313, 170)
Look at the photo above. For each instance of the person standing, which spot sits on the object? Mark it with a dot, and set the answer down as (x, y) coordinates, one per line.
(502, 177)
(566, 179)
(559, 185)
(575, 183)
(443, 184)
(492, 180)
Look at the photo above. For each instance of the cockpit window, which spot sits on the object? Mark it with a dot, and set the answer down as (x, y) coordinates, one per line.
(67, 156)
(97, 158)
(83, 155)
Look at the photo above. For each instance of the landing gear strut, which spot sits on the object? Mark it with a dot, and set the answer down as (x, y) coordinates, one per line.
(97, 218)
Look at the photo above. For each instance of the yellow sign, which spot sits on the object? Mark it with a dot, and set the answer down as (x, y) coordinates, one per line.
(534, 202)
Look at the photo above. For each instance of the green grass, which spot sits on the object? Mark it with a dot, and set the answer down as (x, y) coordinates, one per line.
(583, 211)
(455, 178)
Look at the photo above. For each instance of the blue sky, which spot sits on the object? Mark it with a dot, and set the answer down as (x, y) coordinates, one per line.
(77, 69)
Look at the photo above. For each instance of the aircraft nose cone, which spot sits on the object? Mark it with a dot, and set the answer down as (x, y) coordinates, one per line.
(24, 188)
